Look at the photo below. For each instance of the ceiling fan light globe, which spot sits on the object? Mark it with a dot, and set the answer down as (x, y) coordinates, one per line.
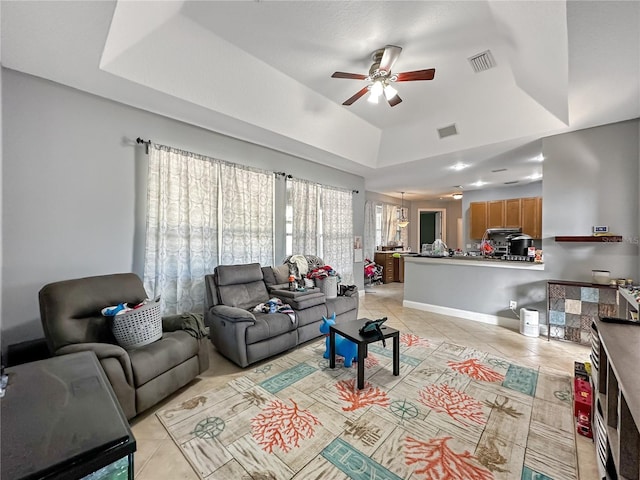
(390, 92)
(372, 98)
(376, 89)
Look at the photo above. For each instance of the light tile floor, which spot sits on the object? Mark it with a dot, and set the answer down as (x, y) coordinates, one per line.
(158, 458)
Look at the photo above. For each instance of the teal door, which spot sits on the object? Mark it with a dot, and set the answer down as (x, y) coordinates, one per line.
(427, 227)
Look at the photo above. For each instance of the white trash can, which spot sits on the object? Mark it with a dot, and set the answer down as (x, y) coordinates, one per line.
(529, 322)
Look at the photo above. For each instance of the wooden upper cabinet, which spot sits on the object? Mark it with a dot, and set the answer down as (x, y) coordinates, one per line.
(513, 215)
(525, 213)
(495, 214)
(478, 219)
(532, 216)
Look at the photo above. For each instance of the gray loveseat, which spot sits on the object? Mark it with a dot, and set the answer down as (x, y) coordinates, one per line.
(245, 336)
(71, 316)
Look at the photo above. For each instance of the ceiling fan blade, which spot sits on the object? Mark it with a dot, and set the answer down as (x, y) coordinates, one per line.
(427, 74)
(395, 100)
(389, 57)
(353, 76)
(356, 96)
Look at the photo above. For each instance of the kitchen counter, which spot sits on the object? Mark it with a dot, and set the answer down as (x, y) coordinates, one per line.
(475, 288)
(474, 261)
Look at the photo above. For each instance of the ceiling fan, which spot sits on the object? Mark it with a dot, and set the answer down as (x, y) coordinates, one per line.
(381, 77)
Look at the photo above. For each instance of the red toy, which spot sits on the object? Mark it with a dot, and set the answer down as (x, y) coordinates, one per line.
(582, 406)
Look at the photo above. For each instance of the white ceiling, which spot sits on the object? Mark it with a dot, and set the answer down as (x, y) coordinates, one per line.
(260, 71)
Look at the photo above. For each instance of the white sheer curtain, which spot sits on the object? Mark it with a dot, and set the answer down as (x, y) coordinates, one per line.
(303, 199)
(246, 229)
(337, 231)
(369, 230)
(389, 223)
(181, 239)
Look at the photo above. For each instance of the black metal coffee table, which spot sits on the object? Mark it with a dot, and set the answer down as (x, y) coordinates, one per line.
(350, 331)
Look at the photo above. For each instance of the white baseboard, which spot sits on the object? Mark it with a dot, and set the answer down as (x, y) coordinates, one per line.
(511, 323)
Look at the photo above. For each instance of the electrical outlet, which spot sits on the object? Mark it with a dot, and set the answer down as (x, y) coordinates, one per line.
(513, 304)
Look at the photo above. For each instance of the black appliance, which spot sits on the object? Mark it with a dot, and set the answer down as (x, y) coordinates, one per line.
(519, 244)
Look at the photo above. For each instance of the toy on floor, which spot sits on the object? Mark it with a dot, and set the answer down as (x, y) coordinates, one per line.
(345, 348)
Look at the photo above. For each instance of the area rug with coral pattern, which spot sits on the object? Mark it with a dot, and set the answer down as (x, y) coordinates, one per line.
(453, 413)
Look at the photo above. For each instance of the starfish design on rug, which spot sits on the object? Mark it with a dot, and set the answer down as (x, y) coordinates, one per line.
(489, 455)
(210, 427)
(502, 407)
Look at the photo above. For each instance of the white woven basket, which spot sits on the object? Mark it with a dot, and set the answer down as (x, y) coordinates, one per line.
(328, 286)
(138, 327)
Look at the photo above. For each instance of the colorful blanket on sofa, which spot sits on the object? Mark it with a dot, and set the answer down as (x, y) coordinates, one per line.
(275, 305)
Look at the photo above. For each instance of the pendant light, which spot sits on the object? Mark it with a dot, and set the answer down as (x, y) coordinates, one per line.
(403, 222)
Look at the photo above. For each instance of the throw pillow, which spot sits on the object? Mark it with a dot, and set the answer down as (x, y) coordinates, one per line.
(281, 273)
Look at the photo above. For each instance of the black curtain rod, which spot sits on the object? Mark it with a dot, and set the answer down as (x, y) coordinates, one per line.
(277, 174)
(146, 144)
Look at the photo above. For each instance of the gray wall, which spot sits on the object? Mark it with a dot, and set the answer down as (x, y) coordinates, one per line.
(590, 178)
(74, 185)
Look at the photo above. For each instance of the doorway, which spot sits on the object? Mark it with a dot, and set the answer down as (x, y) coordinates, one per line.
(432, 225)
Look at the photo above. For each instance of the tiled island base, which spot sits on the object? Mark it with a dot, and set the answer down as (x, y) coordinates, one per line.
(573, 306)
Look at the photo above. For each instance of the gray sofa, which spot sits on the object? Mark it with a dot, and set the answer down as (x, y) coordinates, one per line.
(245, 336)
(71, 316)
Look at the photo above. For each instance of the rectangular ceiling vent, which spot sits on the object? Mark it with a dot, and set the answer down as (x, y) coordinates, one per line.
(499, 170)
(511, 182)
(482, 61)
(447, 131)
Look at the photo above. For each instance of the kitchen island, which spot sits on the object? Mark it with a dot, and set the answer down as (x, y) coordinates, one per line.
(475, 288)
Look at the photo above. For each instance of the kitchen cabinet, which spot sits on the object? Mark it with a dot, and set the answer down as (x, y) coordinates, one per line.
(478, 219)
(525, 213)
(495, 214)
(513, 213)
(532, 216)
(388, 267)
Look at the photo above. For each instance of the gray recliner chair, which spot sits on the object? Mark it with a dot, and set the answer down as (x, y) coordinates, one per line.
(72, 320)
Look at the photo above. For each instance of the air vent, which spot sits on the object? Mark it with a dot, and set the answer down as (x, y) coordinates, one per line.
(511, 182)
(447, 131)
(499, 170)
(482, 61)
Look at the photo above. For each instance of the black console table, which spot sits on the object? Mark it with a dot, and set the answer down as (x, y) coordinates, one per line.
(61, 420)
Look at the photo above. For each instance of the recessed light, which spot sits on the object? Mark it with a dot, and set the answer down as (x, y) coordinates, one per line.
(459, 166)
(479, 183)
(535, 176)
(538, 158)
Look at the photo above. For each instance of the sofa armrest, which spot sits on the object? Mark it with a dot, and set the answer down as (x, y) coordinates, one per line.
(232, 314)
(102, 351)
